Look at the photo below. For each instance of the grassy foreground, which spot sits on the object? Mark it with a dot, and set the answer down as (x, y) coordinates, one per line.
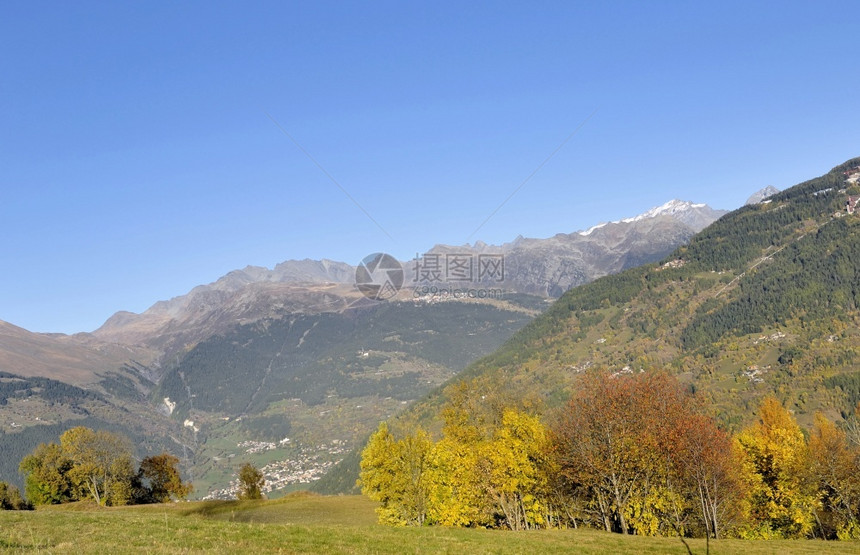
(301, 523)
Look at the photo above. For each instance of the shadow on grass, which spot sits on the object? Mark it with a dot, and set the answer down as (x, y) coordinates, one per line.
(296, 508)
(239, 509)
(218, 508)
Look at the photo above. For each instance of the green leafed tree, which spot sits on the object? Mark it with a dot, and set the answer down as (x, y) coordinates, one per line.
(11, 500)
(251, 482)
(46, 472)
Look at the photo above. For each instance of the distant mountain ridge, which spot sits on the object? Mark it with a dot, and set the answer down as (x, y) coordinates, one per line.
(71, 359)
(549, 267)
(697, 216)
(241, 296)
(546, 267)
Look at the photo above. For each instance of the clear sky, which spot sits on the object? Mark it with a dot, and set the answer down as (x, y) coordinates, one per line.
(138, 158)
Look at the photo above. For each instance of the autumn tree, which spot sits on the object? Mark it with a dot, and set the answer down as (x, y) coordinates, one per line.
(395, 473)
(102, 464)
(601, 448)
(160, 479)
(460, 467)
(457, 482)
(709, 468)
(493, 464)
(251, 482)
(836, 469)
(520, 466)
(640, 449)
(490, 468)
(379, 473)
(782, 497)
(46, 475)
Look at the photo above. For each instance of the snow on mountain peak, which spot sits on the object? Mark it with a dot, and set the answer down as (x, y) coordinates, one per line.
(670, 208)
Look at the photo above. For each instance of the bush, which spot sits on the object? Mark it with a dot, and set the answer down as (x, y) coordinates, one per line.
(11, 500)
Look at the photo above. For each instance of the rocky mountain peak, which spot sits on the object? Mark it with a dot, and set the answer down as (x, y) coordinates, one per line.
(761, 195)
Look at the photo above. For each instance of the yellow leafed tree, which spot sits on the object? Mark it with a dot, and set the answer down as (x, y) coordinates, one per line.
(520, 466)
(781, 497)
(395, 473)
(836, 468)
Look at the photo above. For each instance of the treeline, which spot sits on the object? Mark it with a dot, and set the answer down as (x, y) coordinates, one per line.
(634, 454)
(98, 465)
(52, 391)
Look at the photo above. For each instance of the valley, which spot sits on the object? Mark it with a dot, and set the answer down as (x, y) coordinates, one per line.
(297, 352)
(362, 277)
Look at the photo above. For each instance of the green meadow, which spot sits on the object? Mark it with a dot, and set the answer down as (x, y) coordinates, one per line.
(304, 523)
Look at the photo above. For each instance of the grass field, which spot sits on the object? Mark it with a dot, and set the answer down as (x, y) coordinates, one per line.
(301, 523)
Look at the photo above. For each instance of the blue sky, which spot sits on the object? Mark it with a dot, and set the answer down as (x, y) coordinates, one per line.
(137, 158)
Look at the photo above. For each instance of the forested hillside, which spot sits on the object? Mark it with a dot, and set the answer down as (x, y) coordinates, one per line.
(311, 356)
(762, 302)
(296, 393)
(38, 410)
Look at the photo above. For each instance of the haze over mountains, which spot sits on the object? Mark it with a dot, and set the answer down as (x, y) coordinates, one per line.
(293, 361)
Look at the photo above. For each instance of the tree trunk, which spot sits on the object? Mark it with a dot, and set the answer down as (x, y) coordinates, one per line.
(604, 511)
(706, 517)
(619, 506)
(93, 486)
(714, 502)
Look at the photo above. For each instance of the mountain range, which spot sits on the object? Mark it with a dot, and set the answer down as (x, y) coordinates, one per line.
(292, 366)
(545, 267)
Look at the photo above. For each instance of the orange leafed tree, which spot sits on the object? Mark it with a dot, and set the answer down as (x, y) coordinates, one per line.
(646, 456)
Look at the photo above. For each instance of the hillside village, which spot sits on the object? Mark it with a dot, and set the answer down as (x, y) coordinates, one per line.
(308, 465)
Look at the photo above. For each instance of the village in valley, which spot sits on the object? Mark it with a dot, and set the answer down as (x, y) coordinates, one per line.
(307, 465)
